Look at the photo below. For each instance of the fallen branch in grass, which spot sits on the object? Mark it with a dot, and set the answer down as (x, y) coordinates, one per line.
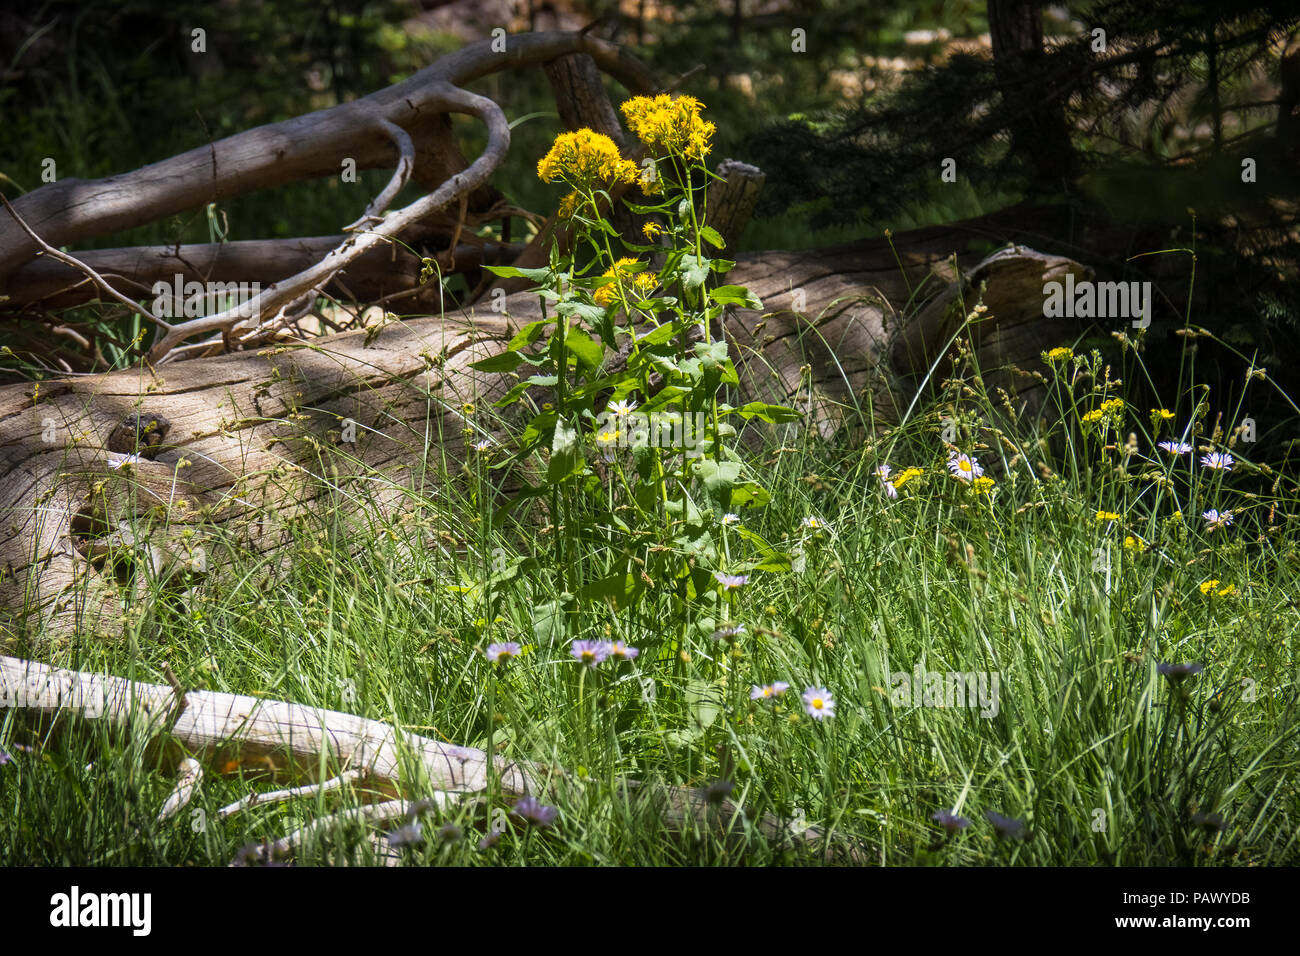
(218, 733)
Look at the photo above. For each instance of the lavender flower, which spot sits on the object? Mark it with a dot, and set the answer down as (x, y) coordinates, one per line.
(965, 467)
(731, 582)
(883, 472)
(1218, 460)
(1179, 672)
(728, 633)
(1214, 520)
(500, 653)
(590, 653)
(408, 835)
(1175, 447)
(768, 691)
(533, 811)
(621, 651)
(818, 703)
(950, 821)
(1008, 828)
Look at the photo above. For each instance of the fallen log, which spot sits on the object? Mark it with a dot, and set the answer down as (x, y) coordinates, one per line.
(243, 443)
(194, 733)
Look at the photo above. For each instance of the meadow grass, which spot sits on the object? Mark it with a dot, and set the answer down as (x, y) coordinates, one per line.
(1100, 755)
(1115, 583)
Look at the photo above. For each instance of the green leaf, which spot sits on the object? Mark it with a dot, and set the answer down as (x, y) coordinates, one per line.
(750, 493)
(773, 414)
(529, 334)
(621, 590)
(587, 350)
(695, 269)
(718, 477)
(513, 272)
(591, 314)
(566, 453)
(548, 623)
(735, 295)
(711, 354)
(505, 362)
(712, 237)
(704, 699)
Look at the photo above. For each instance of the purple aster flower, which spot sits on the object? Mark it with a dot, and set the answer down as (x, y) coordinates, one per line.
(1175, 447)
(4, 757)
(408, 835)
(500, 653)
(491, 840)
(728, 633)
(590, 653)
(533, 811)
(621, 651)
(1214, 520)
(768, 691)
(450, 833)
(950, 821)
(1218, 460)
(1179, 672)
(819, 703)
(965, 467)
(731, 582)
(883, 473)
(1008, 828)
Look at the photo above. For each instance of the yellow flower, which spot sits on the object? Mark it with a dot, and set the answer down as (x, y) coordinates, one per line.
(651, 229)
(907, 475)
(1132, 543)
(1108, 516)
(1113, 405)
(607, 293)
(673, 125)
(569, 205)
(583, 158)
(1211, 588)
(644, 282)
(1060, 354)
(1162, 414)
(982, 485)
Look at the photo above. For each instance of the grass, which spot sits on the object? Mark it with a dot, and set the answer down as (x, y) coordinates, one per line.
(1104, 759)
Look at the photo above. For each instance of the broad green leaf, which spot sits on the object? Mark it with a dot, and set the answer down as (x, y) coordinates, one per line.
(529, 334)
(769, 413)
(735, 295)
(712, 237)
(695, 269)
(505, 362)
(513, 272)
(566, 453)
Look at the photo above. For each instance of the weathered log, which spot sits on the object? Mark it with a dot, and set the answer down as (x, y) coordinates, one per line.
(253, 435)
(198, 733)
(304, 147)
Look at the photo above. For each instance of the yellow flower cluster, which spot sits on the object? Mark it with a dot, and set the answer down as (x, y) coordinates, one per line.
(1059, 354)
(982, 485)
(607, 293)
(583, 158)
(1211, 588)
(1108, 516)
(672, 125)
(1111, 407)
(907, 475)
(651, 229)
